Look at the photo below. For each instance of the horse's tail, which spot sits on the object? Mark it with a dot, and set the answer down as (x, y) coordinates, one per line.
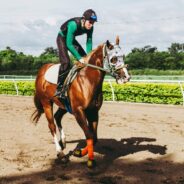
(39, 110)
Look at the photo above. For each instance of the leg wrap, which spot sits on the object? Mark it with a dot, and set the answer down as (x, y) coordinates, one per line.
(90, 149)
(84, 151)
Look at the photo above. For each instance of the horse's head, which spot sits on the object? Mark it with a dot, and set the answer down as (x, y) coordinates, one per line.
(113, 61)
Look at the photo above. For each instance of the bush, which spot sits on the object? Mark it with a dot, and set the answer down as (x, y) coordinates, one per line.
(25, 88)
(130, 92)
(147, 93)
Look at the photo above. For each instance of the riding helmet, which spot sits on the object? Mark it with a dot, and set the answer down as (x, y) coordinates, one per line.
(90, 15)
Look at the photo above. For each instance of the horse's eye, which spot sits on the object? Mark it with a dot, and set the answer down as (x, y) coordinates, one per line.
(114, 60)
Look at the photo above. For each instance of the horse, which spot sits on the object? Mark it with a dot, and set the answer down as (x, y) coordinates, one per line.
(85, 96)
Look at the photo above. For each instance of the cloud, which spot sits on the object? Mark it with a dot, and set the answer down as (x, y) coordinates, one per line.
(32, 26)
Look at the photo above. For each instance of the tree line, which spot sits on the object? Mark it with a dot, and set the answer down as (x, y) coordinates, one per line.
(148, 57)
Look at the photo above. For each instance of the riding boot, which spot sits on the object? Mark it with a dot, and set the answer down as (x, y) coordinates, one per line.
(59, 90)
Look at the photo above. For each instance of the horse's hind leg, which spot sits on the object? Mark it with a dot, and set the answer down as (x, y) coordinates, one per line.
(49, 115)
(58, 116)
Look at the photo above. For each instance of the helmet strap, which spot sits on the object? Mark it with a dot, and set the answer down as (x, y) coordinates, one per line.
(83, 22)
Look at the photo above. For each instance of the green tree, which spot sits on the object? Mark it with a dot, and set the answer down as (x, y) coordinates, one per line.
(7, 58)
(141, 58)
(50, 52)
(176, 47)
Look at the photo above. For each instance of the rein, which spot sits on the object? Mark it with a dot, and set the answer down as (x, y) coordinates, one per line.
(96, 67)
(100, 68)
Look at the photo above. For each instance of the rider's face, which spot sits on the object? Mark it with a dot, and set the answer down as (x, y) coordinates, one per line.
(88, 24)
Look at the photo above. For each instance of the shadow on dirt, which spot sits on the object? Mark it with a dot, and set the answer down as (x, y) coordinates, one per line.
(111, 169)
(112, 149)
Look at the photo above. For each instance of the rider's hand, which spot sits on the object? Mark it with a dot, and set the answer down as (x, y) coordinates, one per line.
(80, 63)
(81, 60)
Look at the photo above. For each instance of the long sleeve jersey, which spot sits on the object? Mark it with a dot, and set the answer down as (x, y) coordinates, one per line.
(72, 28)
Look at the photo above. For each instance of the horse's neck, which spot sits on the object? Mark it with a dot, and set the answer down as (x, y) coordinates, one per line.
(92, 78)
(96, 57)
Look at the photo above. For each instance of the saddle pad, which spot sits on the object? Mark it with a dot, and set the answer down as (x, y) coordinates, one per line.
(51, 75)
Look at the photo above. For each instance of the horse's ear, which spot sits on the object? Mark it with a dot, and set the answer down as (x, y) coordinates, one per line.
(109, 45)
(117, 40)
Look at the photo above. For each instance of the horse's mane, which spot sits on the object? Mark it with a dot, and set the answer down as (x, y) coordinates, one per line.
(95, 53)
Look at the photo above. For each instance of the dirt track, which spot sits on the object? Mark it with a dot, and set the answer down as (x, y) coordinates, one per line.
(137, 144)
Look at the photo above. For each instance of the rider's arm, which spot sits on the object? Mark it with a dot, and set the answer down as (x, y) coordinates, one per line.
(89, 41)
(72, 27)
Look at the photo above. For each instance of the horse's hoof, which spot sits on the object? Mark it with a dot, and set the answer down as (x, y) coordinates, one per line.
(91, 164)
(62, 158)
(65, 159)
(60, 155)
(77, 153)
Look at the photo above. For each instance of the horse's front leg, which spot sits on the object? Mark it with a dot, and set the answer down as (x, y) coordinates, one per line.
(89, 149)
(49, 115)
(92, 117)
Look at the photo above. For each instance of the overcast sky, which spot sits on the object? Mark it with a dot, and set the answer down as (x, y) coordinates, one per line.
(30, 26)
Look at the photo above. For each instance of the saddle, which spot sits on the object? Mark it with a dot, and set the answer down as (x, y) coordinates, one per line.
(51, 75)
(69, 78)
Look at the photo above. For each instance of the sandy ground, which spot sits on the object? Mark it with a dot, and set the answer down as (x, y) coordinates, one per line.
(138, 143)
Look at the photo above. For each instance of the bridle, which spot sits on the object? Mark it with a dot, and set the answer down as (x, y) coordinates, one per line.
(108, 67)
(107, 56)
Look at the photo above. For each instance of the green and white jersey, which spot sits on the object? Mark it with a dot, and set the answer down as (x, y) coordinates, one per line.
(72, 28)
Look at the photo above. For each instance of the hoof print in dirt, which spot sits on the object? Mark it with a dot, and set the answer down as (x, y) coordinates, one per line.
(107, 180)
(167, 181)
(64, 177)
(50, 178)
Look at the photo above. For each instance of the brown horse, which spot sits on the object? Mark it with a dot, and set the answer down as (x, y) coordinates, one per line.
(85, 95)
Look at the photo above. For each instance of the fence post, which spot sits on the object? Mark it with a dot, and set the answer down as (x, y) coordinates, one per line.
(16, 87)
(181, 87)
(112, 89)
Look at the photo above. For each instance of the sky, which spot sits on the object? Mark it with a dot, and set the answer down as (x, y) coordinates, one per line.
(31, 26)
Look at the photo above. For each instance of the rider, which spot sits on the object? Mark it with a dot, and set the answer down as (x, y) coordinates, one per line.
(66, 41)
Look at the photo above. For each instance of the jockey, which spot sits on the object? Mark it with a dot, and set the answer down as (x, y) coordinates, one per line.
(66, 42)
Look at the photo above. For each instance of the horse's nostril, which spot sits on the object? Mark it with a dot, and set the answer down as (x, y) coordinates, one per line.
(128, 77)
(126, 65)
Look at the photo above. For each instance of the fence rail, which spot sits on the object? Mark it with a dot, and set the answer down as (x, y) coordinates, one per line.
(135, 78)
(17, 77)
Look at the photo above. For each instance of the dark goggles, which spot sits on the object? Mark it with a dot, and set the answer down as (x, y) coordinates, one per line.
(93, 18)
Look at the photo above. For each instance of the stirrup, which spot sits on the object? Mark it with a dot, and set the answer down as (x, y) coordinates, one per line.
(58, 91)
(57, 94)
(60, 94)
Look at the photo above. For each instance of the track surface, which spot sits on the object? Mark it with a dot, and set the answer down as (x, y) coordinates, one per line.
(138, 143)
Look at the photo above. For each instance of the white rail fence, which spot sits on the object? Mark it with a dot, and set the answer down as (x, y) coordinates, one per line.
(138, 79)
(182, 91)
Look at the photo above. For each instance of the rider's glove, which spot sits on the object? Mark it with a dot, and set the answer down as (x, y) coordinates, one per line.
(81, 60)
